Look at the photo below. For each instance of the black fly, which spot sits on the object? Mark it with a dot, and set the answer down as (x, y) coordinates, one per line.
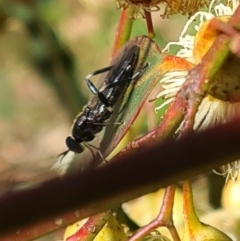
(95, 115)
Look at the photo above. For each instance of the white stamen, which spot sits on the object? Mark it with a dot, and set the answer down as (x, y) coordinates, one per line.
(162, 105)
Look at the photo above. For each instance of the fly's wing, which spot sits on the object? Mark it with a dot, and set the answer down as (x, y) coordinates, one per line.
(127, 56)
(128, 107)
(118, 77)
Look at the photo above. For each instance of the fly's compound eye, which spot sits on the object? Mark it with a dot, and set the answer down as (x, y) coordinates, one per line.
(73, 145)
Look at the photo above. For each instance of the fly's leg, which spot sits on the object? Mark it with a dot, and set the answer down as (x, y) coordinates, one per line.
(135, 75)
(96, 148)
(110, 123)
(94, 89)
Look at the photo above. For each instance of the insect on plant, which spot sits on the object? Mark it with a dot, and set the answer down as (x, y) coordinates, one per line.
(96, 114)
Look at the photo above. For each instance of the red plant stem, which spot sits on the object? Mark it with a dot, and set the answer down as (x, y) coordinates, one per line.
(230, 31)
(166, 129)
(148, 18)
(91, 228)
(166, 212)
(164, 218)
(36, 230)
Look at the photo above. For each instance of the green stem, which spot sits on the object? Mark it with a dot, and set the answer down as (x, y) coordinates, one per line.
(124, 29)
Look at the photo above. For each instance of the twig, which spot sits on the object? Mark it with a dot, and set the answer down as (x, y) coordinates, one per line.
(164, 218)
(96, 190)
(91, 228)
(148, 17)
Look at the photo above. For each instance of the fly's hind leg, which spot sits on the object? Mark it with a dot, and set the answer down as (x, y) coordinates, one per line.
(135, 75)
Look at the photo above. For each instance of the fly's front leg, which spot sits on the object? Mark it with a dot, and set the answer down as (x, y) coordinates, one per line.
(93, 88)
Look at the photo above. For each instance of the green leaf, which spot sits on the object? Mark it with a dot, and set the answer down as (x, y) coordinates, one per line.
(129, 106)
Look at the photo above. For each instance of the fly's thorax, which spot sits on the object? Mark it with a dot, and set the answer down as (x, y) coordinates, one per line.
(104, 113)
(80, 130)
(86, 126)
(100, 113)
